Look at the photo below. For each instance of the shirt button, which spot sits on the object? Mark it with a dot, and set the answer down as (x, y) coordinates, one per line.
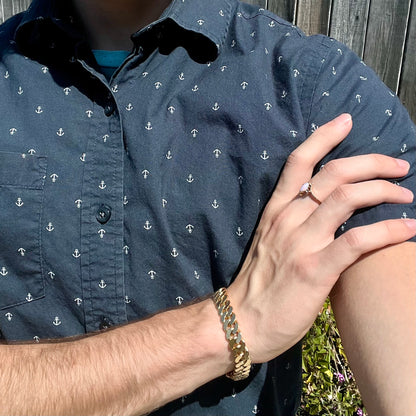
(105, 323)
(103, 214)
(109, 109)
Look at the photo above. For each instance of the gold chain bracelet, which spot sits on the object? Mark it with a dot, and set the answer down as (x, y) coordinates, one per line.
(242, 360)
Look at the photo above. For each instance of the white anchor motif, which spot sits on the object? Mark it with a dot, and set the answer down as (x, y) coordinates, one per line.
(29, 297)
(190, 178)
(358, 98)
(147, 226)
(334, 71)
(148, 126)
(389, 112)
(82, 157)
(101, 233)
(223, 68)
(196, 275)
(54, 177)
(145, 74)
(9, 316)
(284, 94)
(296, 73)
(268, 106)
(102, 284)
(67, 90)
(255, 410)
(293, 133)
(216, 253)
(174, 252)
(233, 43)
(376, 138)
(45, 69)
(115, 89)
(339, 51)
(280, 58)
(6, 75)
(363, 78)
(19, 202)
(240, 180)
(158, 85)
(404, 215)
(89, 113)
(152, 274)
(126, 250)
(190, 228)
(181, 76)
(51, 275)
(217, 153)
(36, 339)
(171, 109)
(403, 148)
(272, 23)
(125, 201)
(38, 110)
(76, 254)
(325, 94)
(102, 185)
(12, 131)
(253, 33)
(194, 133)
(169, 155)
(129, 107)
(57, 321)
(22, 251)
(233, 393)
(50, 227)
(221, 13)
(343, 226)
(240, 129)
(164, 203)
(78, 203)
(200, 22)
(60, 132)
(215, 204)
(31, 151)
(216, 107)
(127, 299)
(195, 88)
(145, 173)
(314, 127)
(4, 271)
(264, 155)
(179, 299)
(239, 232)
(244, 85)
(78, 301)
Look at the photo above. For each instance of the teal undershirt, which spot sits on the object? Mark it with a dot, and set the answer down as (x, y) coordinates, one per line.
(109, 61)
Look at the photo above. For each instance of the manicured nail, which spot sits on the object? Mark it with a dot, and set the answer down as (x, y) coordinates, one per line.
(344, 118)
(411, 223)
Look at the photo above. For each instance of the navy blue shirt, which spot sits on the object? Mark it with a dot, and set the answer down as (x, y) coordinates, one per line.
(125, 197)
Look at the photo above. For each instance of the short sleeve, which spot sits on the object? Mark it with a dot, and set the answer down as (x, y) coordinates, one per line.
(380, 122)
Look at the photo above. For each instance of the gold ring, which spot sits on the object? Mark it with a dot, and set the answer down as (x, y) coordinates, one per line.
(306, 190)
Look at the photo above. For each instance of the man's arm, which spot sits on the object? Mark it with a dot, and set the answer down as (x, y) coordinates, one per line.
(375, 307)
(129, 370)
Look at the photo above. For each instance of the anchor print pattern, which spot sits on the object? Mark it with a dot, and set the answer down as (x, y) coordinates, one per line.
(182, 160)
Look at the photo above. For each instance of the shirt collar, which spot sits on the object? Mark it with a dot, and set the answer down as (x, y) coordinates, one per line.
(198, 25)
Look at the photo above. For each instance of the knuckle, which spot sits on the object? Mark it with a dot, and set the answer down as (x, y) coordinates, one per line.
(342, 194)
(333, 168)
(297, 158)
(353, 239)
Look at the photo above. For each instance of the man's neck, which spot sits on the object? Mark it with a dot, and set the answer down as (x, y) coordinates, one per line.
(109, 23)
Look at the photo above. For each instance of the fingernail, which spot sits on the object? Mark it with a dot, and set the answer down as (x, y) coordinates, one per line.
(344, 118)
(403, 163)
(411, 223)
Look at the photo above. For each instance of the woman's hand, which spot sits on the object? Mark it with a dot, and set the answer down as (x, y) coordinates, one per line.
(294, 260)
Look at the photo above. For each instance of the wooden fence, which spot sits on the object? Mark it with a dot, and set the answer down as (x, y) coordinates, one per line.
(381, 32)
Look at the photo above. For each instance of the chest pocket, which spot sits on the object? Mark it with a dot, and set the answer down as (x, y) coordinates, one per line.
(21, 193)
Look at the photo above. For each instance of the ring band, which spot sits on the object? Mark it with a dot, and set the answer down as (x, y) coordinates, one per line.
(306, 190)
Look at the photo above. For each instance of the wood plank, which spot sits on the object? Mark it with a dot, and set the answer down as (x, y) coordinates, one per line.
(286, 9)
(349, 21)
(407, 90)
(260, 3)
(10, 7)
(313, 16)
(386, 34)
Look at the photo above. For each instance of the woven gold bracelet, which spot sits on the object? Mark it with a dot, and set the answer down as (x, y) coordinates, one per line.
(242, 360)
